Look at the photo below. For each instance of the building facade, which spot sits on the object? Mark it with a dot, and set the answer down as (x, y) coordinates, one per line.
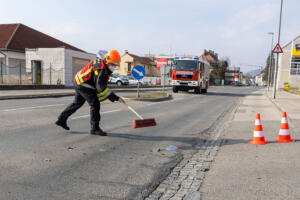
(289, 65)
(128, 61)
(232, 75)
(55, 66)
(42, 50)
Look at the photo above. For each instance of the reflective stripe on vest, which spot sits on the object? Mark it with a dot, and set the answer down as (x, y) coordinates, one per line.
(103, 95)
(84, 74)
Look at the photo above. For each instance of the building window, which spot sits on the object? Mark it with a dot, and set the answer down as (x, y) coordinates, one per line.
(295, 65)
(129, 67)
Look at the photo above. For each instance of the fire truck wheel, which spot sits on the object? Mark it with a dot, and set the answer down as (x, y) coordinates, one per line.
(175, 89)
(198, 90)
(204, 90)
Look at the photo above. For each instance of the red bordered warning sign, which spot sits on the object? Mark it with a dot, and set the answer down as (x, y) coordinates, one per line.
(277, 49)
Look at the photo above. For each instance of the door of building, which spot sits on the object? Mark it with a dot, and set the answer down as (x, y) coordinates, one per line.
(36, 72)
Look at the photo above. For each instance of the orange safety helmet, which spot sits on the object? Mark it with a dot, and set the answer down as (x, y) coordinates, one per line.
(112, 57)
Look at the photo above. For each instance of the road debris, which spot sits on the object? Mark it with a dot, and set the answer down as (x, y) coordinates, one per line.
(47, 160)
(171, 148)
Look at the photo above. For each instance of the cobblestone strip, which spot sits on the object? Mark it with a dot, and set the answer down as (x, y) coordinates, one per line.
(186, 178)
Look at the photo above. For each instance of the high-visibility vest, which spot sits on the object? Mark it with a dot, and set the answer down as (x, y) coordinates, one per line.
(85, 73)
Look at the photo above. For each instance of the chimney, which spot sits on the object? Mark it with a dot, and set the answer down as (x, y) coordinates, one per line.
(126, 51)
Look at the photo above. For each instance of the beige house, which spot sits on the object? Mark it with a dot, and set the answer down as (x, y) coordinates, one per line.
(128, 61)
(289, 64)
(259, 79)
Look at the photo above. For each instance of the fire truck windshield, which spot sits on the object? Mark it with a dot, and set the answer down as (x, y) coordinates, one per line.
(189, 65)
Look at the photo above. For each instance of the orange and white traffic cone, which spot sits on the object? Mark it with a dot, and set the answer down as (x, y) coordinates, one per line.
(258, 134)
(284, 132)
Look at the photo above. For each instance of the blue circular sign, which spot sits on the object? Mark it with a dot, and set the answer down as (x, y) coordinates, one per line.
(138, 72)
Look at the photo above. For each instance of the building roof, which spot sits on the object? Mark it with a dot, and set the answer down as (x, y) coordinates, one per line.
(208, 57)
(142, 60)
(291, 41)
(18, 37)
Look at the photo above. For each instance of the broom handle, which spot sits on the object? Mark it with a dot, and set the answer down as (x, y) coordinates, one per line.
(139, 116)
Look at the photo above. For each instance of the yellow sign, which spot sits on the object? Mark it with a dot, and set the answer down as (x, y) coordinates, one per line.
(296, 49)
(287, 86)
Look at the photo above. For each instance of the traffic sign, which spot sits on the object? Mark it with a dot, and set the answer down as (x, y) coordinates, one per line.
(277, 49)
(138, 72)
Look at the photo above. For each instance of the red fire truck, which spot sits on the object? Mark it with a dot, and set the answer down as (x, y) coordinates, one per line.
(190, 73)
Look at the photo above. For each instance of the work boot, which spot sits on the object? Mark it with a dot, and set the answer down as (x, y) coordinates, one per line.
(63, 124)
(96, 130)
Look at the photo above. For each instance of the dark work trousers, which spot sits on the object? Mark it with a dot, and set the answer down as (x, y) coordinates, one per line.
(83, 94)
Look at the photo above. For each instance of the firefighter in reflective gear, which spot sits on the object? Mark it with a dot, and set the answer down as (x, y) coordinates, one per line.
(91, 86)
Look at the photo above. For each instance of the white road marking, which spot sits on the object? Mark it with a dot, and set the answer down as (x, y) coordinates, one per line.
(85, 116)
(149, 104)
(79, 117)
(46, 106)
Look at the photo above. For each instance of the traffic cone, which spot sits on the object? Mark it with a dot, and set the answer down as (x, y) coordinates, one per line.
(284, 132)
(258, 134)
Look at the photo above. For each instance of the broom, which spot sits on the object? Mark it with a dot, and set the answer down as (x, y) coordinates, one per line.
(140, 123)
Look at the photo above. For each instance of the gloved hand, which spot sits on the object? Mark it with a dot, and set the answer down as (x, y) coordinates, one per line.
(121, 100)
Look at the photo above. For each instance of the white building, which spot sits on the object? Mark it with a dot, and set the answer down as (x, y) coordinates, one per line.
(289, 64)
(42, 53)
(55, 65)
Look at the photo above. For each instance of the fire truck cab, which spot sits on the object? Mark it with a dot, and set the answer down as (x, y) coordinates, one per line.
(190, 73)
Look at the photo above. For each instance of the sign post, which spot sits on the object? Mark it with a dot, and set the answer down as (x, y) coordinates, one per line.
(138, 72)
(277, 50)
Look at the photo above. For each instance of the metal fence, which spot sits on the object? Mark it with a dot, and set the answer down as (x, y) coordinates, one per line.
(49, 74)
(18, 75)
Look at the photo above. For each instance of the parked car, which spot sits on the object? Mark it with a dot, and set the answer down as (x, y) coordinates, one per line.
(133, 81)
(119, 80)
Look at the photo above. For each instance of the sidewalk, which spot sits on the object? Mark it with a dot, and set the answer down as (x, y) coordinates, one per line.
(244, 171)
(38, 93)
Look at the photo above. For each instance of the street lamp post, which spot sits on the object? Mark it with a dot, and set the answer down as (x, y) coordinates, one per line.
(277, 58)
(270, 62)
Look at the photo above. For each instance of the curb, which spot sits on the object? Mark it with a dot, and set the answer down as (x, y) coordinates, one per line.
(63, 94)
(31, 96)
(291, 123)
(151, 99)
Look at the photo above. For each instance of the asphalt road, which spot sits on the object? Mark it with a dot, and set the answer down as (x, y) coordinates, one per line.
(42, 161)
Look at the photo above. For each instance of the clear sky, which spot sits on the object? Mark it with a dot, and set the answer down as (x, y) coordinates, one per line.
(236, 29)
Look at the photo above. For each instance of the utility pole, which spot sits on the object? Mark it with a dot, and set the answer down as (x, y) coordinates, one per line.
(277, 58)
(271, 59)
(1, 76)
(50, 68)
(20, 74)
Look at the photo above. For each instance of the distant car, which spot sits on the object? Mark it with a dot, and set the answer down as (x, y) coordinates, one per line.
(119, 80)
(239, 84)
(133, 81)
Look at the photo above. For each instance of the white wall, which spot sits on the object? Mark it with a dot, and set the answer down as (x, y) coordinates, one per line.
(49, 57)
(60, 60)
(13, 56)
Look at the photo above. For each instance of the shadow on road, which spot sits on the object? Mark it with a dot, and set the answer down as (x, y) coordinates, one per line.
(193, 142)
(79, 132)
